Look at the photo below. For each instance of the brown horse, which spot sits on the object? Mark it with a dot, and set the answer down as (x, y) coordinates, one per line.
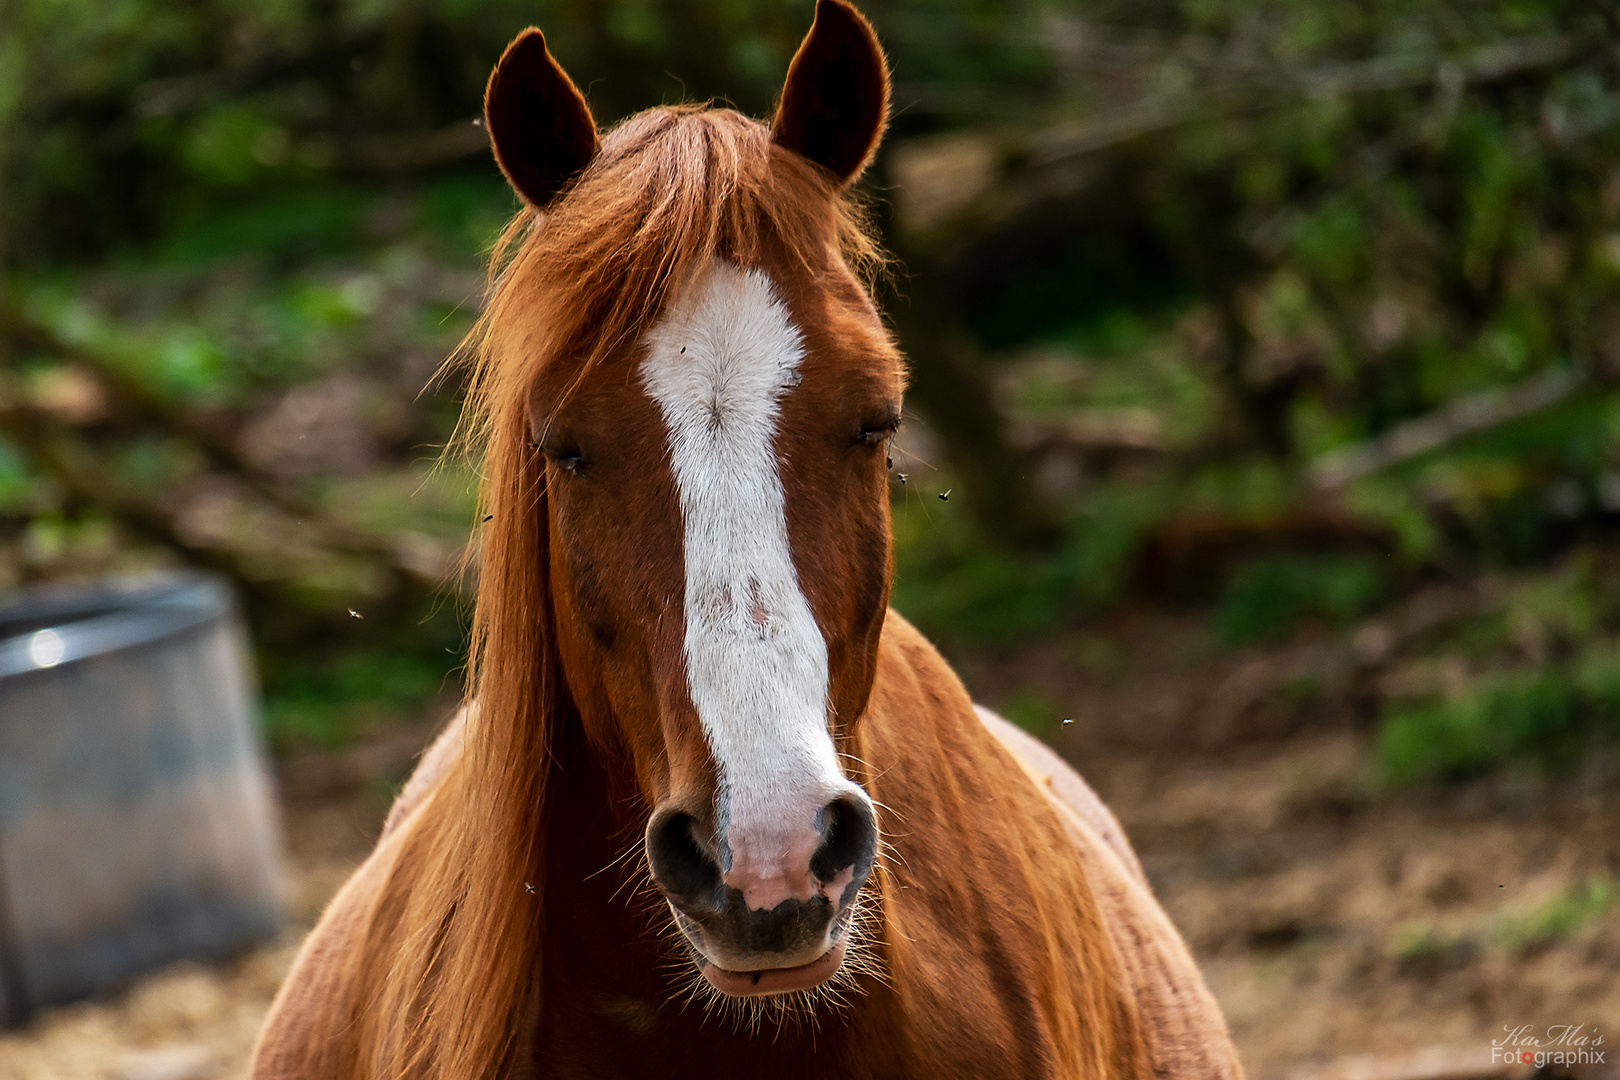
(715, 810)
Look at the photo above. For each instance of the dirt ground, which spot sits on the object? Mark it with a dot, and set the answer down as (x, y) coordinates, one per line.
(1348, 933)
(1335, 921)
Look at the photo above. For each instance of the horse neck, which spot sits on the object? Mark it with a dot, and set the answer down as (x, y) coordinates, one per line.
(595, 866)
(595, 813)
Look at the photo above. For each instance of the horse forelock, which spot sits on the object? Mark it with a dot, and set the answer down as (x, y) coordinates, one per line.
(673, 189)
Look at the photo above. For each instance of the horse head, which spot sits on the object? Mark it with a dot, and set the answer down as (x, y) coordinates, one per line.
(709, 392)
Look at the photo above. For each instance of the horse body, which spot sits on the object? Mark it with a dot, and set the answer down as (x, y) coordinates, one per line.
(716, 810)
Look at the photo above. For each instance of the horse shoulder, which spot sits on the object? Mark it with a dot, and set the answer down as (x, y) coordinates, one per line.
(435, 762)
(309, 1033)
(312, 1030)
(1181, 1027)
(1187, 1029)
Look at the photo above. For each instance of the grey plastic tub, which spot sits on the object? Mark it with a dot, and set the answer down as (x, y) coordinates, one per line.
(137, 824)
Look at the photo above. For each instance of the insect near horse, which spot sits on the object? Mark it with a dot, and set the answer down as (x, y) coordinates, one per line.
(714, 810)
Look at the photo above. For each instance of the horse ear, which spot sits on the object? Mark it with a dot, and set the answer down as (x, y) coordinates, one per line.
(539, 125)
(836, 98)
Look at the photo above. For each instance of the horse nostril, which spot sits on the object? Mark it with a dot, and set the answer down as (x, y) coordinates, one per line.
(848, 842)
(681, 865)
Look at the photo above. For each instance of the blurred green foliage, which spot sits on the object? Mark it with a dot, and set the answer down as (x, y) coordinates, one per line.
(1560, 918)
(953, 583)
(1032, 711)
(327, 703)
(1532, 682)
(1542, 717)
(1285, 309)
(1266, 599)
(1431, 949)
(1526, 717)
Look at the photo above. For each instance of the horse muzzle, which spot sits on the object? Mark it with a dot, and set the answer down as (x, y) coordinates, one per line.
(770, 913)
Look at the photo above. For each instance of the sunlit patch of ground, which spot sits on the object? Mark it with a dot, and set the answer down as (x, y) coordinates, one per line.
(185, 1023)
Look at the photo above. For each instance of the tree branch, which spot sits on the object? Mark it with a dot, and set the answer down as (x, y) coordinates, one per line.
(1461, 417)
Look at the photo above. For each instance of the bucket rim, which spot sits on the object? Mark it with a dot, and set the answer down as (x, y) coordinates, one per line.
(66, 624)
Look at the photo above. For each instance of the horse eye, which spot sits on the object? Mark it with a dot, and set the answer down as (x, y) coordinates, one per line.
(570, 459)
(872, 434)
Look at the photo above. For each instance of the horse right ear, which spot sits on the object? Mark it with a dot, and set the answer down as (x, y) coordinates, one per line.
(836, 98)
(539, 125)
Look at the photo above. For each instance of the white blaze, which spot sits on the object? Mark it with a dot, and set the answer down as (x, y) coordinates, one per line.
(756, 663)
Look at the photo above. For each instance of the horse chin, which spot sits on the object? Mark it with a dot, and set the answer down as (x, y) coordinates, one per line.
(785, 980)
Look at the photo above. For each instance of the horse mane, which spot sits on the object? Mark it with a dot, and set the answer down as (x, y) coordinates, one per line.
(449, 972)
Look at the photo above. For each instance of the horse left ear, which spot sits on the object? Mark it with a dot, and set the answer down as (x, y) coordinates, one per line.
(836, 98)
(539, 125)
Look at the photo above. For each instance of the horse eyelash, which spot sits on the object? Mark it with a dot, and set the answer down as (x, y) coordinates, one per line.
(569, 461)
(873, 435)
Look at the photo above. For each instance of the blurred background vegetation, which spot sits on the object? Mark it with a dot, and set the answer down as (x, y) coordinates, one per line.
(1303, 317)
